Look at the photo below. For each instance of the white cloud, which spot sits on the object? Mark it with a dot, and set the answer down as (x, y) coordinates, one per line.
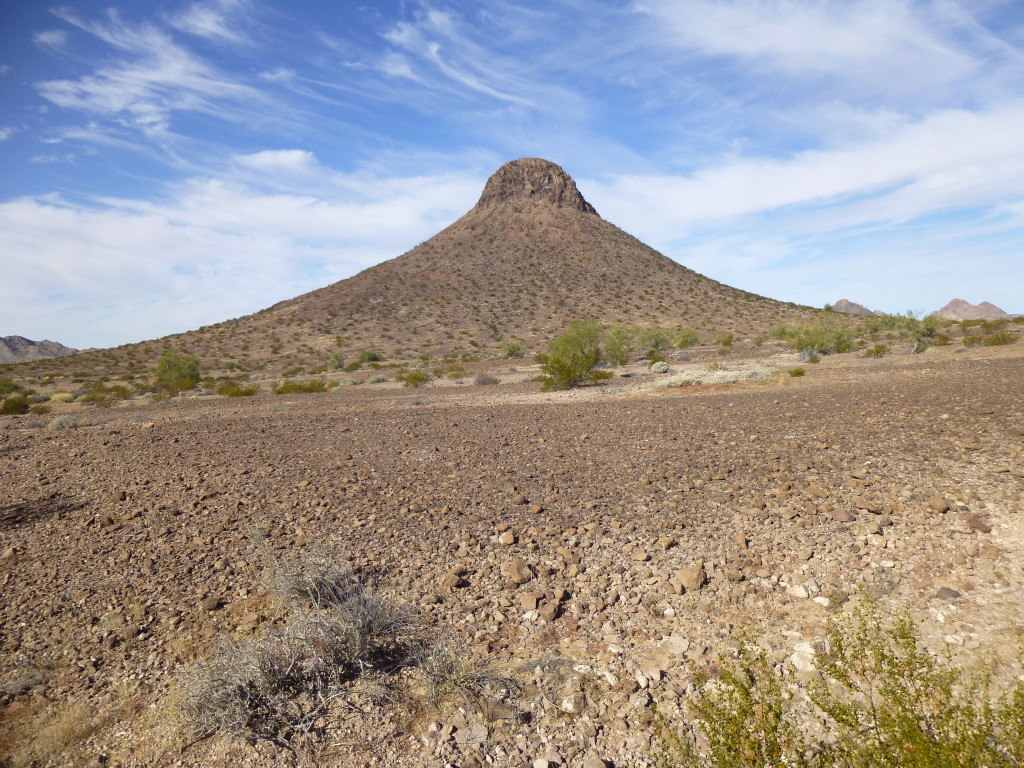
(849, 39)
(952, 158)
(155, 78)
(124, 270)
(50, 38)
(210, 20)
(290, 160)
(6, 132)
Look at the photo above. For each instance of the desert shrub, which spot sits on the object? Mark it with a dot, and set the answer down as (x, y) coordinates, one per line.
(232, 388)
(414, 379)
(355, 365)
(1018, 319)
(452, 672)
(8, 387)
(483, 379)
(619, 344)
(295, 371)
(883, 701)
(999, 338)
(572, 358)
(61, 397)
(797, 372)
(282, 686)
(723, 338)
(377, 379)
(335, 362)
(39, 408)
(687, 337)
(176, 372)
(14, 405)
(973, 340)
(299, 387)
(823, 337)
(876, 351)
(369, 356)
(652, 338)
(512, 348)
(74, 420)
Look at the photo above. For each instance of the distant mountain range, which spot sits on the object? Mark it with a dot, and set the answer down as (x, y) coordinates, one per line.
(18, 349)
(957, 309)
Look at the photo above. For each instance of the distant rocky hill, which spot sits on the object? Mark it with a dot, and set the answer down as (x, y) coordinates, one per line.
(852, 308)
(18, 349)
(529, 258)
(958, 309)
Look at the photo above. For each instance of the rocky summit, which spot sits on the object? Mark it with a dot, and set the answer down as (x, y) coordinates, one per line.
(18, 349)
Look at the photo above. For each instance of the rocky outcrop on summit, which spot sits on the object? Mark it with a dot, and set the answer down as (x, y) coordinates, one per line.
(531, 179)
(18, 349)
(958, 309)
(852, 308)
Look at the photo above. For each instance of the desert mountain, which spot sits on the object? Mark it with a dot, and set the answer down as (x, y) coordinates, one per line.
(18, 349)
(852, 308)
(958, 309)
(529, 258)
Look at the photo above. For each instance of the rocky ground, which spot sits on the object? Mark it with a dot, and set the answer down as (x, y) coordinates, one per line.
(598, 547)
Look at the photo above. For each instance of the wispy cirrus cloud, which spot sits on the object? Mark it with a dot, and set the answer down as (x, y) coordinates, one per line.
(153, 78)
(216, 20)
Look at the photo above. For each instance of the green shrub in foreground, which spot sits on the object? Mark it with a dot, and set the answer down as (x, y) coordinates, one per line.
(232, 388)
(883, 702)
(823, 337)
(512, 349)
(299, 387)
(796, 372)
(14, 405)
(999, 338)
(572, 358)
(176, 372)
(8, 387)
(414, 379)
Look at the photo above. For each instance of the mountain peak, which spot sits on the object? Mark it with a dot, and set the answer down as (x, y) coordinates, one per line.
(531, 179)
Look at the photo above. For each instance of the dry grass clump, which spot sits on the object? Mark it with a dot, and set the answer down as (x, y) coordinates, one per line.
(343, 651)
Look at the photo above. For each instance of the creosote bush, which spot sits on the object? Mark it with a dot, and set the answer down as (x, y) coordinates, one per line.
(176, 372)
(14, 405)
(512, 349)
(573, 357)
(883, 702)
(299, 387)
(232, 388)
(414, 379)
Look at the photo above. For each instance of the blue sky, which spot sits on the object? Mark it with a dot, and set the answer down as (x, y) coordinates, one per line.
(167, 165)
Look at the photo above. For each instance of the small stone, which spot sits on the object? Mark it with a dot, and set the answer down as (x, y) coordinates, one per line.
(211, 603)
(665, 543)
(548, 612)
(843, 516)
(453, 580)
(530, 600)
(692, 578)
(938, 504)
(518, 571)
(945, 593)
(866, 504)
(519, 499)
(639, 554)
(507, 538)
